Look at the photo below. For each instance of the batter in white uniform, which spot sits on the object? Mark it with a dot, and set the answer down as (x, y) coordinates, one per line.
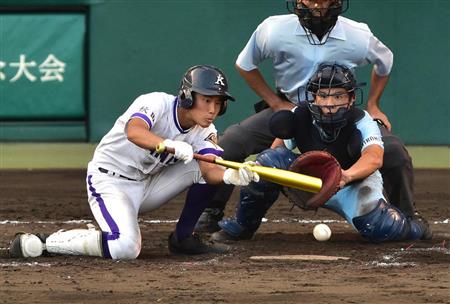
(127, 177)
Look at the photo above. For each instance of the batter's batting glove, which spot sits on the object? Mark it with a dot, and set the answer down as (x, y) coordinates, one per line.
(182, 149)
(241, 177)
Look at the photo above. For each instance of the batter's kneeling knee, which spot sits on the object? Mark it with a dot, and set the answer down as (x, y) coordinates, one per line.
(127, 249)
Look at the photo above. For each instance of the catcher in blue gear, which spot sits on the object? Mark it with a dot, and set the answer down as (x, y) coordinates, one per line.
(330, 122)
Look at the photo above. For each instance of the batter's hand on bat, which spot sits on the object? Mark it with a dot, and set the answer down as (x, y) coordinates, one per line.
(182, 149)
(241, 177)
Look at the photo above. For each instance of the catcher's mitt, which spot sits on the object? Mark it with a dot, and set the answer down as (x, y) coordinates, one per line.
(319, 164)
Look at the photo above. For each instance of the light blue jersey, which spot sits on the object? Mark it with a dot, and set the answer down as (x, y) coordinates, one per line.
(283, 40)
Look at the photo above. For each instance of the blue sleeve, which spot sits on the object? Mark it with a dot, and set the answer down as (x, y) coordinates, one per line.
(370, 132)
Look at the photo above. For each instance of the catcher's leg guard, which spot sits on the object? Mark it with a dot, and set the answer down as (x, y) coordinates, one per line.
(254, 202)
(231, 231)
(250, 136)
(387, 223)
(422, 223)
(75, 242)
(257, 198)
(208, 221)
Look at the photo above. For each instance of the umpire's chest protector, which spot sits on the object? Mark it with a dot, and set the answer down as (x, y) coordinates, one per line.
(346, 148)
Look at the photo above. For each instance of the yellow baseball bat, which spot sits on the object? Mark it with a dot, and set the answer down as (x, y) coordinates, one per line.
(274, 175)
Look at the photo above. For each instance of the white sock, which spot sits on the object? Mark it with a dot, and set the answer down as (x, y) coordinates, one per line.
(75, 242)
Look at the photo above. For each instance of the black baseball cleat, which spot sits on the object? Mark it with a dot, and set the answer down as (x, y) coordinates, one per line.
(193, 244)
(208, 220)
(223, 237)
(423, 223)
(27, 245)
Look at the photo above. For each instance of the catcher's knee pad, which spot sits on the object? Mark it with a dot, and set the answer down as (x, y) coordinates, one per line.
(257, 198)
(280, 158)
(386, 223)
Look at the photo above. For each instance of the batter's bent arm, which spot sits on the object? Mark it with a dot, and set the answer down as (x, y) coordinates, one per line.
(138, 133)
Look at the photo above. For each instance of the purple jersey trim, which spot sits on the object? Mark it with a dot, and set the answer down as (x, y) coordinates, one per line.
(143, 117)
(115, 233)
(175, 118)
(211, 151)
(105, 247)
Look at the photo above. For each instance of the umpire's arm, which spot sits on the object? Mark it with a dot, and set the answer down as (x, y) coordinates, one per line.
(256, 81)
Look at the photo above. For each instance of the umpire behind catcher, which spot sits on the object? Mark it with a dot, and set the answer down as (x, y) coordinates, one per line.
(297, 44)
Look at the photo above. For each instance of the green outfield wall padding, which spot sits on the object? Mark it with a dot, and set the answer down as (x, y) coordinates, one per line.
(43, 131)
(151, 43)
(136, 46)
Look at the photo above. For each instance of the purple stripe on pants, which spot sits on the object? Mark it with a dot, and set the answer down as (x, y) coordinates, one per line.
(106, 236)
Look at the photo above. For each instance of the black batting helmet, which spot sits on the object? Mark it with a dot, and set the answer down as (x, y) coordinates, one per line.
(206, 80)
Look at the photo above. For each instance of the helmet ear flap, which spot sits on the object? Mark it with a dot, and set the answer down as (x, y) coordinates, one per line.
(186, 100)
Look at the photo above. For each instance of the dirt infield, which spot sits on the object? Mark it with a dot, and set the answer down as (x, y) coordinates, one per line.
(45, 201)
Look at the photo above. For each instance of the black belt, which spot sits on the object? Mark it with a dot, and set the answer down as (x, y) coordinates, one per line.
(103, 170)
(262, 105)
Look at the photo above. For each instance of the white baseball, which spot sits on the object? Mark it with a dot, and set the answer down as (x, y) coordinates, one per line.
(322, 232)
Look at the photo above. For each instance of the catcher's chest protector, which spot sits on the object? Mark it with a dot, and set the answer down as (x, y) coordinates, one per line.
(346, 148)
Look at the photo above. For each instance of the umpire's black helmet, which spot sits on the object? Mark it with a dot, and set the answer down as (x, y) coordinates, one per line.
(314, 22)
(206, 80)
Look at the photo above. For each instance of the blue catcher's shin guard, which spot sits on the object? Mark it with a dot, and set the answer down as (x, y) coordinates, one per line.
(387, 223)
(257, 198)
(254, 202)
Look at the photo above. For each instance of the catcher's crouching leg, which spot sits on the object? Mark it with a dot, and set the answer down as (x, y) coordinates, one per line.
(255, 199)
(387, 223)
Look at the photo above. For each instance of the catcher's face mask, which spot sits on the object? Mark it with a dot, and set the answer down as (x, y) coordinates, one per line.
(330, 94)
(317, 17)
